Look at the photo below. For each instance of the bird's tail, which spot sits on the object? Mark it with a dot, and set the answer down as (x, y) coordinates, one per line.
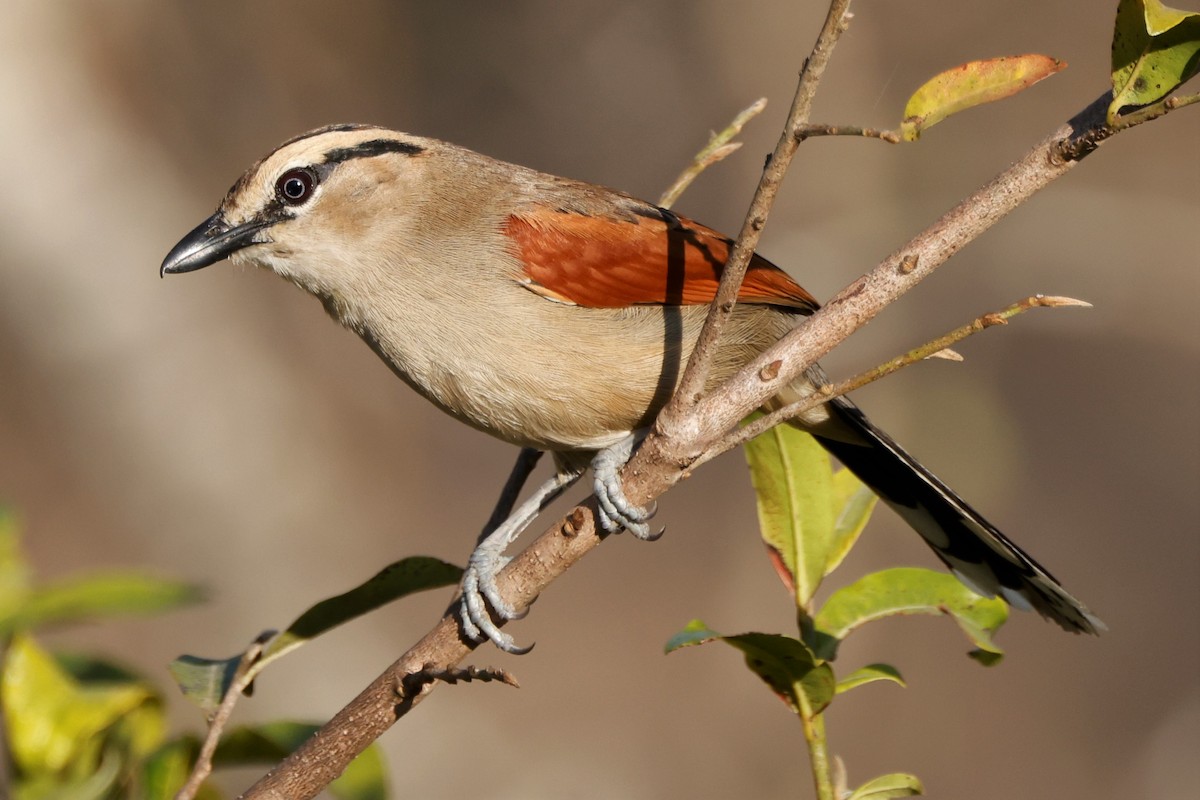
(981, 556)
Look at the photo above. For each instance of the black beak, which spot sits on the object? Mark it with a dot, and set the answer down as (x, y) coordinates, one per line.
(210, 241)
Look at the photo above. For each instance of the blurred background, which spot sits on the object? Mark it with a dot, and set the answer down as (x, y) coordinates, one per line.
(218, 427)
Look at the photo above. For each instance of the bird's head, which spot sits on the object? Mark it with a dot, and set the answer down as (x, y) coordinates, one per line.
(304, 208)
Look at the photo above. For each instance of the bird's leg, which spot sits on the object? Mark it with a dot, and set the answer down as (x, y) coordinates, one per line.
(527, 459)
(479, 588)
(616, 512)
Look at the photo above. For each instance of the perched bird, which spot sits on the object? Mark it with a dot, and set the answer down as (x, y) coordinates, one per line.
(556, 315)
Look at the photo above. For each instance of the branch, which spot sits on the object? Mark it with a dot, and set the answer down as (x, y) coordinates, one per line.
(673, 418)
(934, 348)
(719, 147)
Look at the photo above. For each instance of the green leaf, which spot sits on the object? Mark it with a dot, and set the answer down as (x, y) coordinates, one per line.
(204, 681)
(405, 577)
(364, 779)
(1161, 18)
(972, 84)
(783, 663)
(56, 723)
(165, 772)
(985, 657)
(1155, 49)
(75, 599)
(254, 744)
(87, 668)
(898, 784)
(97, 786)
(907, 590)
(788, 667)
(856, 502)
(793, 485)
(94, 784)
(95, 596)
(869, 674)
(694, 633)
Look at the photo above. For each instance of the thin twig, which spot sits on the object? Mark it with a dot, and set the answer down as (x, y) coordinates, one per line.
(414, 682)
(807, 131)
(719, 147)
(1076, 147)
(931, 349)
(1154, 111)
(672, 419)
(242, 678)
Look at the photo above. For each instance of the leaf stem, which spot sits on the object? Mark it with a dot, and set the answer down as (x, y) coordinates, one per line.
(818, 748)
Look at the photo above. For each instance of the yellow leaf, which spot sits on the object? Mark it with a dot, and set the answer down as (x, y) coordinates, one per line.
(972, 84)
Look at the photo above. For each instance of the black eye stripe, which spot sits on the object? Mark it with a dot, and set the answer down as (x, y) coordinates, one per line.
(369, 149)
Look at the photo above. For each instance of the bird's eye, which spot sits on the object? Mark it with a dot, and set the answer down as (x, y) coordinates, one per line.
(295, 186)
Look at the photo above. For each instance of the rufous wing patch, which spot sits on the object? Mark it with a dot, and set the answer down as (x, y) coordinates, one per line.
(661, 259)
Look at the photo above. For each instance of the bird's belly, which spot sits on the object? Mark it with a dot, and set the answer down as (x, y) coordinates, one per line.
(541, 406)
(572, 380)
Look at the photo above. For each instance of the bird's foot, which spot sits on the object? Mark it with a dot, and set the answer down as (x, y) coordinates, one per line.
(616, 512)
(480, 589)
(479, 592)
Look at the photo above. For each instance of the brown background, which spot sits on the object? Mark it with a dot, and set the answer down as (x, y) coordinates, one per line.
(218, 427)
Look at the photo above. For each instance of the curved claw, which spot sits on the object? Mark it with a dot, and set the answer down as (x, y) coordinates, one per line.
(477, 622)
(479, 589)
(615, 510)
(471, 607)
(616, 514)
(484, 565)
(655, 536)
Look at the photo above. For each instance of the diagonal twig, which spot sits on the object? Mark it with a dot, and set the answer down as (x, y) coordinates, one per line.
(695, 375)
(242, 678)
(719, 147)
(930, 349)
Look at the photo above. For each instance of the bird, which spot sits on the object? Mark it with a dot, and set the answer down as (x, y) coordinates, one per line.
(556, 315)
